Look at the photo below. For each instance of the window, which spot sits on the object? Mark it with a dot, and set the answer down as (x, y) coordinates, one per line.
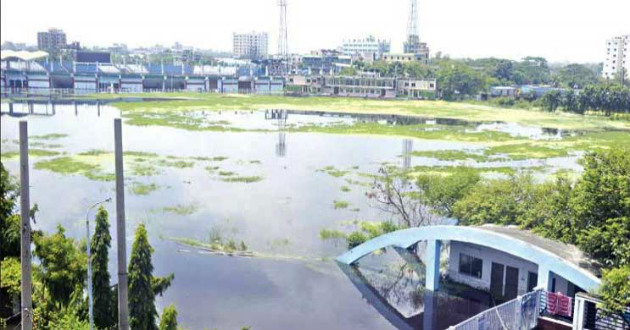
(470, 266)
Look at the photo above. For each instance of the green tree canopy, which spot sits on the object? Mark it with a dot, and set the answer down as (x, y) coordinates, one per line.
(169, 318)
(104, 315)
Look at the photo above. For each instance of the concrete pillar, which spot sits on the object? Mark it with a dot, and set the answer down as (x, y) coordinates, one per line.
(123, 299)
(412, 260)
(430, 306)
(432, 280)
(25, 245)
(544, 278)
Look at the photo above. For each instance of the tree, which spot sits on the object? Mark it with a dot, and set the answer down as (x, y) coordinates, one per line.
(494, 201)
(63, 264)
(142, 312)
(615, 289)
(441, 193)
(550, 101)
(104, 316)
(576, 75)
(9, 222)
(169, 318)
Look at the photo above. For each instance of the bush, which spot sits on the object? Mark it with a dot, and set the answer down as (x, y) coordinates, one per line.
(355, 239)
(169, 318)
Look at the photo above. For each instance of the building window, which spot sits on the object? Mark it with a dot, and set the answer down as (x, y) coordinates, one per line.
(470, 266)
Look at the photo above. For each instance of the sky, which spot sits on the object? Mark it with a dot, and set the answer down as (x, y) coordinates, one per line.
(560, 30)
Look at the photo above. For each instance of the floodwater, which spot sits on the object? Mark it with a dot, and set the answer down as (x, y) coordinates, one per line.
(296, 285)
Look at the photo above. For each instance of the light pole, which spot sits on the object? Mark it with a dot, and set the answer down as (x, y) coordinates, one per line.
(89, 260)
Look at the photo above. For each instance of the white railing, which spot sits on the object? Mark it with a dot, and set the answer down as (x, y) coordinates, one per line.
(517, 314)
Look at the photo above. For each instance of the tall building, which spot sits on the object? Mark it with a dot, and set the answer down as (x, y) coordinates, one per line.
(617, 56)
(52, 40)
(368, 48)
(250, 45)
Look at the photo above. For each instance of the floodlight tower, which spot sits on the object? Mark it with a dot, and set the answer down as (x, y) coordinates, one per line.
(283, 48)
(412, 42)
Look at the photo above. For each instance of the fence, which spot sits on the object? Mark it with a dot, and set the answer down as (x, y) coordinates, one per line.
(517, 314)
(591, 317)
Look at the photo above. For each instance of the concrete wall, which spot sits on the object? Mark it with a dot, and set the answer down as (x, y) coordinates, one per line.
(488, 256)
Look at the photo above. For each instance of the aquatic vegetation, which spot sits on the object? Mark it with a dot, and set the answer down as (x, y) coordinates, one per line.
(70, 165)
(226, 173)
(340, 204)
(144, 169)
(243, 179)
(180, 209)
(51, 136)
(65, 165)
(213, 159)
(94, 152)
(212, 169)
(449, 155)
(176, 163)
(345, 188)
(139, 188)
(255, 161)
(140, 154)
(326, 234)
(332, 171)
(31, 152)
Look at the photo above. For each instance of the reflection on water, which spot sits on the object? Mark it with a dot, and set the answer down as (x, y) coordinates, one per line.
(403, 302)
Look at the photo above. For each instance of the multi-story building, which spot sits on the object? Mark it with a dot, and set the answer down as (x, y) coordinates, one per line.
(250, 45)
(617, 57)
(52, 40)
(422, 57)
(368, 48)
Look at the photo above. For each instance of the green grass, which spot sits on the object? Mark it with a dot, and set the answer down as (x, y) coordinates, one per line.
(332, 171)
(140, 169)
(326, 234)
(345, 189)
(440, 109)
(175, 163)
(141, 154)
(181, 209)
(340, 205)
(143, 189)
(243, 179)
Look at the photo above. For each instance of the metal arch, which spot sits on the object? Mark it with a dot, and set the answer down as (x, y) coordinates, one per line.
(543, 258)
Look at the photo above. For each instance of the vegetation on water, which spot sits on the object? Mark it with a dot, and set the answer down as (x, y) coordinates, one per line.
(143, 189)
(180, 209)
(243, 179)
(51, 136)
(340, 204)
(31, 152)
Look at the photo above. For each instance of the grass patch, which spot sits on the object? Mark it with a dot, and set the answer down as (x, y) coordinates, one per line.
(340, 205)
(345, 189)
(140, 169)
(243, 179)
(140, 154)
(326, 234)
(332, 171)
(181, 209)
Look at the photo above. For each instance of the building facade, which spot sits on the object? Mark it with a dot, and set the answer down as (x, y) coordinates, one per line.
(368, 48)
(617, 57)
(422, 58)
(52, 40)
(252, 45)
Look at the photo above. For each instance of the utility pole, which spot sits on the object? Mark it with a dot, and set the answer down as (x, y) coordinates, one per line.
(123, 294)
(25, 257)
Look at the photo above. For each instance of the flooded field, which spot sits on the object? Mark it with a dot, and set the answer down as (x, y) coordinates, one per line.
(267, 184)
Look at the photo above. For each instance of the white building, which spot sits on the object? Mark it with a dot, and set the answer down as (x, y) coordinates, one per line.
(617, 56)
(368, 48)
(250, 45)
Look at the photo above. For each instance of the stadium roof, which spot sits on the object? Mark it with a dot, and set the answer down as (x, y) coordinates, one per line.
(23, 55)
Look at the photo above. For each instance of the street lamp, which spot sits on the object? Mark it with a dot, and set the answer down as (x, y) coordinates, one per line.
(89, 260)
